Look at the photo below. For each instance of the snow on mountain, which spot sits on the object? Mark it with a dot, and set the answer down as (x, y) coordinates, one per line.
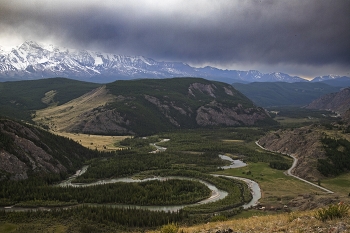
(325, 77)
(33, 61)
(333, 80)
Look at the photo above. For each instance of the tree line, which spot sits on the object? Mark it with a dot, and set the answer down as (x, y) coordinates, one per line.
(155, 192)
(99, 219)
(338, 157)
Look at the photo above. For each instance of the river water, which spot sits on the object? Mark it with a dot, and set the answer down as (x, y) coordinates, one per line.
(216, 195)
(234, 163)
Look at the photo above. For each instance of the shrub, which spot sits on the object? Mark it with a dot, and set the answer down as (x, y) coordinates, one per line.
(218, 218)
(333, 211)
(169, 228)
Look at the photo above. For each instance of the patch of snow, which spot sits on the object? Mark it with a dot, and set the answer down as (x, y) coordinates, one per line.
(98, 61)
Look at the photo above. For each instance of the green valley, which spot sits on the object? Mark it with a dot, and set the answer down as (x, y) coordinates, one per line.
(153, 144)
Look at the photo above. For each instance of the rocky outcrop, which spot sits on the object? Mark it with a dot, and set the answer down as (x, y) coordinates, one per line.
(15, 168)
(304, 143)
(215, 114)
(208, 89)
(100, 121)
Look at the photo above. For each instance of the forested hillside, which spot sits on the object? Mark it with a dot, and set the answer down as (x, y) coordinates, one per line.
(148, 106)
(268, 94)
(338, 101)
(29, 151)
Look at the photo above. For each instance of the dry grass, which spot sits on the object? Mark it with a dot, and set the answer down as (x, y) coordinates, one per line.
(99, 142)
(62, 117)
(287, 222)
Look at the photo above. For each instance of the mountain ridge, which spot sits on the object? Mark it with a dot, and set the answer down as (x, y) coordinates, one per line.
(148, 106)
(33, 61)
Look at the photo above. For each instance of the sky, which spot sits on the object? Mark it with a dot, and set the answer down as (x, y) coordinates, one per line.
(307, 38)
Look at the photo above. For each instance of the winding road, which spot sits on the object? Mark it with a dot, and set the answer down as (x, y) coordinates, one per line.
(289, 171)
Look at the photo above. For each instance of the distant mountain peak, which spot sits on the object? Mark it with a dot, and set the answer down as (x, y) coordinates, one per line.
(325, 77)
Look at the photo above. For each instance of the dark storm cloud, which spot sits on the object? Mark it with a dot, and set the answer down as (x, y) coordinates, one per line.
(313, 32)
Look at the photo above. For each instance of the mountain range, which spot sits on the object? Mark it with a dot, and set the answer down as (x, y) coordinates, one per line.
(33, 61)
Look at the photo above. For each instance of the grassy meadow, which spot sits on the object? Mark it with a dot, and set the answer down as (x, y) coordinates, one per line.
(98, 142)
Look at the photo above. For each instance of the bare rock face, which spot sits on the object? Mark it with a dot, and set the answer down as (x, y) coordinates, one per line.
(13, 166)
(215, 114)
(304, 143)
(208, 89)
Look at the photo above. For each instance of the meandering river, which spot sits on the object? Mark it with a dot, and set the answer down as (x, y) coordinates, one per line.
(216, 194)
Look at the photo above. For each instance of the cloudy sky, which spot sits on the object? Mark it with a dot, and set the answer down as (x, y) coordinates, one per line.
(304, 38)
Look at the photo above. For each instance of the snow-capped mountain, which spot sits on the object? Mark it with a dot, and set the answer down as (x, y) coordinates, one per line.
(325, 78)
(333, 80)
(33, 61)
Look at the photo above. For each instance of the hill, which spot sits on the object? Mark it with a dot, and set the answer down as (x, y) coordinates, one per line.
(322, 150)
(19, 99)
(337, 102)
(268, 94)
(148, 106)
(27, 151)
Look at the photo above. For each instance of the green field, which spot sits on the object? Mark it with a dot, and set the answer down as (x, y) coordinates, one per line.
(340, 184)
(276, 187)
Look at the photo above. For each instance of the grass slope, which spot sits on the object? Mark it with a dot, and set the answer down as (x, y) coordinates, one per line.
(71, 112)
(19, 98)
